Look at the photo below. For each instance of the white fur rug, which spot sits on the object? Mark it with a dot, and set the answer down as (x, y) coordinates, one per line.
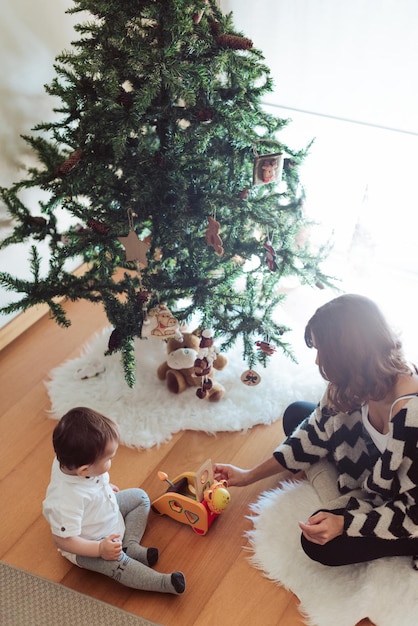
(385, 590)
(149, 414)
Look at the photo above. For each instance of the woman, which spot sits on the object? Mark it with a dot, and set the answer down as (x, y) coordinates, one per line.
(359, 446)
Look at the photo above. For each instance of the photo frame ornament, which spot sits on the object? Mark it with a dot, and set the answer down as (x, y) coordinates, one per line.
(268, 168)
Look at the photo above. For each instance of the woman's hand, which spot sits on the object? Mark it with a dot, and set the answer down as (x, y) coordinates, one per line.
(238, 477)
(234, 476)
(322, 527)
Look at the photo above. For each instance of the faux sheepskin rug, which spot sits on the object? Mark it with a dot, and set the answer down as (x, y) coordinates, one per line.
(385, 590)
(148, 414)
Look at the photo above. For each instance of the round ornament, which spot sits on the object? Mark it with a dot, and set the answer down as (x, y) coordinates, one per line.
(250, 378)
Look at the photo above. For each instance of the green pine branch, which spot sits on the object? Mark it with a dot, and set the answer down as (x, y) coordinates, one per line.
(160, 120)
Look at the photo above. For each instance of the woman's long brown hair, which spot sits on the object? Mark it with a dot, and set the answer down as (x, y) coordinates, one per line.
(358, 353)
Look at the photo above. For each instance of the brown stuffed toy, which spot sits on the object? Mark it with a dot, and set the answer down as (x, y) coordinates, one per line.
(180, 370)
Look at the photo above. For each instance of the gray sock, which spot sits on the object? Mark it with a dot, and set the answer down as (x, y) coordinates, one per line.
(147, 556)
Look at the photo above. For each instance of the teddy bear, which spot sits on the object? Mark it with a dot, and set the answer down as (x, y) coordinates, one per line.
(188, 364)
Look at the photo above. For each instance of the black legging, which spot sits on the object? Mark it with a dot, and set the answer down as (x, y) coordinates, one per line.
(295, 414)
(345, 550)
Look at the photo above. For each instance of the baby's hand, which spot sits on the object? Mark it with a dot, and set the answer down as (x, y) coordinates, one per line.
(110, 548)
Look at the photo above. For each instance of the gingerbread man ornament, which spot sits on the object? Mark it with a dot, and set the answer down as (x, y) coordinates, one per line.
(212, 236)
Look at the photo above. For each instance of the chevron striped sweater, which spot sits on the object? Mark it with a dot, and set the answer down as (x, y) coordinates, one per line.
(389, 509)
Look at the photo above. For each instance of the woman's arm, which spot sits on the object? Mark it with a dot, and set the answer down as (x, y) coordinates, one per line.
(239, 477)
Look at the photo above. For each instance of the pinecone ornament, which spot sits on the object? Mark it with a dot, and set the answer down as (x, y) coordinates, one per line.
(98, 227)
(115, 340)
(234, 42)
(125, 99)
(70, 163)
(204, 115)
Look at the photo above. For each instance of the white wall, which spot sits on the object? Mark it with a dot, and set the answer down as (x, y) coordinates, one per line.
(32, 34)
(333, 61)
(354, 60)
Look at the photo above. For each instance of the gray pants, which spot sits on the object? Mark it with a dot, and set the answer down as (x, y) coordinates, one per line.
(131, 571)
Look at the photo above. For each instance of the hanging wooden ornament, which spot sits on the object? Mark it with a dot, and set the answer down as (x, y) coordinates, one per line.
(212, 236)
(136, 249)
(161, 324)
(142, 297)
(268, 168)
(270, 255)
(250, 378)
(266, 347)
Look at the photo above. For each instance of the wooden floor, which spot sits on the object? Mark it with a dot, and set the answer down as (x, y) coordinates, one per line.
(222, 588)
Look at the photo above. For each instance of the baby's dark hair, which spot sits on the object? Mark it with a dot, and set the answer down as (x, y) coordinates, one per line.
(81, 436)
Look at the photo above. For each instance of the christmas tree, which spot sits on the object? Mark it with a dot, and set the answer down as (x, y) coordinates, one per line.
(179, 189)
